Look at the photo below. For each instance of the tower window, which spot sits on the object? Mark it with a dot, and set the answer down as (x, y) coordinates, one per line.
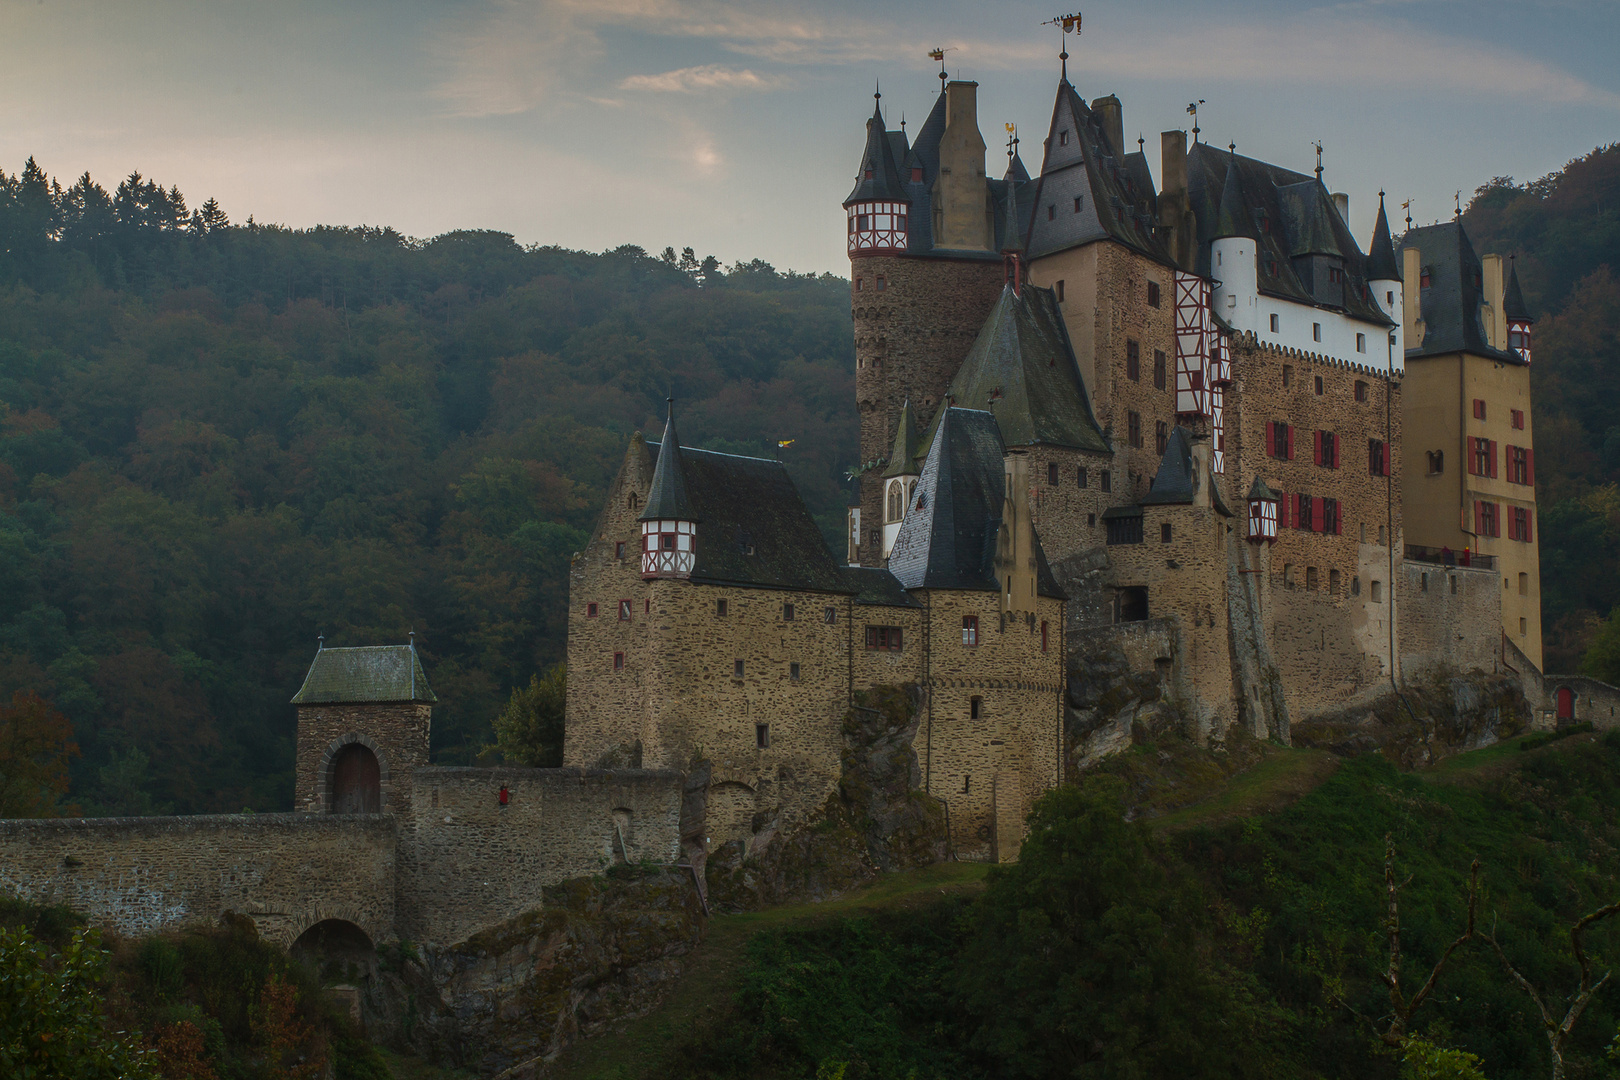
(970, 629)
(1164, 532)
(625, 609)
(1161, 436)
(1153, 294)
(762, 736)
(737, 669)
(1316, 331)
(1389, 298)
(1059, 290)
(1133, 360)
(787, 612)
(1081, 476)
(1361, 343)
(618, 661)
(1051, 212)
(1361, 388)
(916, 175)
(1159, 369)
(1106, 478)
(975, 707)
(1133, 423)
(1518, 419)
(793, 672)
(1319, 380)
(882, 283)
(829, 615)
(1425, 280)
(1479, 408)
(719, 607)
(967, 782)
(1063, 137)
(1052, 474)
(1377, 592)
(618, 549)
(1287, 373)
(1079, 201)
(1276, 323)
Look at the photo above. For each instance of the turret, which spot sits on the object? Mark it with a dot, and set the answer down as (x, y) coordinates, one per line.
(900, 478)
(668, 524)
(1232, 255)
(1262, 513)
(1517, 314)
(1384, 279)
(878, 207)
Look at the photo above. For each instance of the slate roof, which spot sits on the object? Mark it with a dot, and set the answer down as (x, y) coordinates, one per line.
(1173, 483)
(1450, 305)
(1232, 217)
(1290, 214)
(748, 505)
(1259, 490)
(903, 455)
(1023, 369)
(1513, 305)
(667, 498)
(879, 174)
(1381, 264)
(875, 585)
(948, 539)
(1117, 197)
(372, 673)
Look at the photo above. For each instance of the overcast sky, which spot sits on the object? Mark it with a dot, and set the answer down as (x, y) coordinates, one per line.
(736, 127)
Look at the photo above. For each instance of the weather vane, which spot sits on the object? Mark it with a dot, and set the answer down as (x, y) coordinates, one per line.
(1458, 198)
(1407, 206)
(1012, 143)
(939, 54)
(1318, 145)
(1192, 111)
(1071, 25)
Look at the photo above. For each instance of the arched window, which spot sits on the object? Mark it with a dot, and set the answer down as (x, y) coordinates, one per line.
(356, 781)
(897, 504)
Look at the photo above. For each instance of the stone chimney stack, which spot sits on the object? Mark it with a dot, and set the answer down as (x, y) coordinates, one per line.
(1175, 214)
(1112, 118)
(1341, 199)
(1491, 312)
(1411, 297)
(963, 222)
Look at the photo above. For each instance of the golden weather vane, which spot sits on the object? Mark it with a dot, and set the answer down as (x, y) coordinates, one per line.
(1192, 111)
(1012, 143)
(1070, 25)
(939, 54)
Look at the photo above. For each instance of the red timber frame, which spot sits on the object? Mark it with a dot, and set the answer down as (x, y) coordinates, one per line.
(877, 226)
(1192, 346)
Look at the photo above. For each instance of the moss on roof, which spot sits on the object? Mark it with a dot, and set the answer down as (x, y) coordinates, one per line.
(372, 673)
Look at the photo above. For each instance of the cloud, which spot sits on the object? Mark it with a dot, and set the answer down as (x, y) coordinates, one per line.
(702, 77)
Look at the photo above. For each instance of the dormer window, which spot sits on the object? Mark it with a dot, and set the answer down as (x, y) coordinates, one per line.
(1335, 275)
(1063, 138)
(1426, 279)
(1051, 212)
(1079, 202)
(916, 174)
(868, 174)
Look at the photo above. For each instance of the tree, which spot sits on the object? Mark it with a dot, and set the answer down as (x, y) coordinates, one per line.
(52, 1023)
(1602, 659)
(36, 743)
(529, 730)
(1401, 1007)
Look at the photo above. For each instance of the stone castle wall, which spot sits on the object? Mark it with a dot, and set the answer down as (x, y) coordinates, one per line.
(1451, 620)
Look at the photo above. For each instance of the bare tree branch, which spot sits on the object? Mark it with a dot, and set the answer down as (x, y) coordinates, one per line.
(1401, 1009)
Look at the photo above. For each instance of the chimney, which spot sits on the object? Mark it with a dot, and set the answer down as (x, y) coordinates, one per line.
(1112, 118)
(1015, 546)
(961, 221)
(1412, 297)
(1175, 213)
(1490, 302)
(1341, 199)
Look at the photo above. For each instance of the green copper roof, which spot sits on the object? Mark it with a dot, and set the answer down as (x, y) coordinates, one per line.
(1022, 368)
(903, 458)
(371, 673)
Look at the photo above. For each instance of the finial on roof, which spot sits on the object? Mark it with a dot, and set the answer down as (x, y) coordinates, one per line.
(1407, 206)
(320, 642)
(1070, 24)
(902, 120)
(1141, 144)
(939, 54)
(1231, 148)
(1458, 198)
(1192, 111)
(1318, 145)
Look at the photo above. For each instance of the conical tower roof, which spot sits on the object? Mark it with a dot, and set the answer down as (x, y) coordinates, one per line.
(1381, 265)
(1259, 490)
(903, 458)
(1233, 218)
(668, 500)
(1513, 305)
(879, 176)
(1015, 170)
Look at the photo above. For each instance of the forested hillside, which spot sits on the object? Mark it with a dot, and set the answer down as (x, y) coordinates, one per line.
(1565, 231)
(218, 441)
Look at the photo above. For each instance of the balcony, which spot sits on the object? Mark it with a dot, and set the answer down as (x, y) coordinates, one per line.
(1463, 560)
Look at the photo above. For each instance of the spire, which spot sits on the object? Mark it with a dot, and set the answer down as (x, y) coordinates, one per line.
(1232, 219)
(1381, 265)
(1513, 305)
(903, 457)
(878, 177)
(667, 500)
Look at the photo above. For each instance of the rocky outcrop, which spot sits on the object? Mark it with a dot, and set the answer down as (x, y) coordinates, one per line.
(1447, 714)
(1118, 690)
(599, 951)
(876, 822)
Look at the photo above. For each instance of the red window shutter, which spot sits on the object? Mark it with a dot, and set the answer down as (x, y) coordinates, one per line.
(1479, 514)
(1529, 525)
(1316, 513)
(1271, 438)
(1491, 446)
(1530, 465)
(1473, 455)
(1289, 434)
(1316, 449)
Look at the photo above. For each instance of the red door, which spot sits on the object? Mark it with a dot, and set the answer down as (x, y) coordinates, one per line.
(1566, 703)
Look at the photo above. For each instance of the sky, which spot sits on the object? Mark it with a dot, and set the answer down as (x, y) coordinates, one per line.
(735, 128)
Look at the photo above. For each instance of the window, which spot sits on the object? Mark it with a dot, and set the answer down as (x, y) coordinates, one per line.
(1361, 343)
(1080, 476)
(646, 606)
(1159, 369)
(1106, 478)
(1279, 440)
(1271, 264)
(1063, 137)
(1486, 521)
(1361, 390)
(1164, 532)
(1377, 457)
(793, 672)
(1316, 331)
(1524, 626)
(618, 661)
(1437, 461)
(1276, 324)
(1380, 536)
(1355, 585)
(883, 638)
(1519, 465)
(882, 283)
(1079, 202)
(1124, 530)
(1051, 212)
(1524, 584)
(1310, 579)
(1052, 474)
(1519, 529)
(1288, 575)
(1335, 275)
(1091, 521)
(1319, 385)
(1330, 516)
(625, 608)
(1479, 408)
(1288, 375)
(1425, 279)
(1304, 513)
(590, 611)
(1482, 459)
(719, 607)
(1327, 449)
(967, 782)
(916, 174)
(975, 707)
(829, 615)
(1153, 294)
(1377, 590)
(1518, 419)
(1133, 361)
(762, 736)
(1133, 428)
(737, 669)
(618, 549)
(1161, 436)
(970, 629)
(787, 612)
(1043, 633)
(1059, 290)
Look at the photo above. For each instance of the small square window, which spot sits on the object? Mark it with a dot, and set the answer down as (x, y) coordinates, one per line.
(719, 607)
(618, 549)
(829, 615)
(625, 608)
(787, 612)
(762, 736)
(590, 611)
(975, 707)
(793, 672)
(737, 669)
(618, 661)
(1164, 532)
(1276, 324)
